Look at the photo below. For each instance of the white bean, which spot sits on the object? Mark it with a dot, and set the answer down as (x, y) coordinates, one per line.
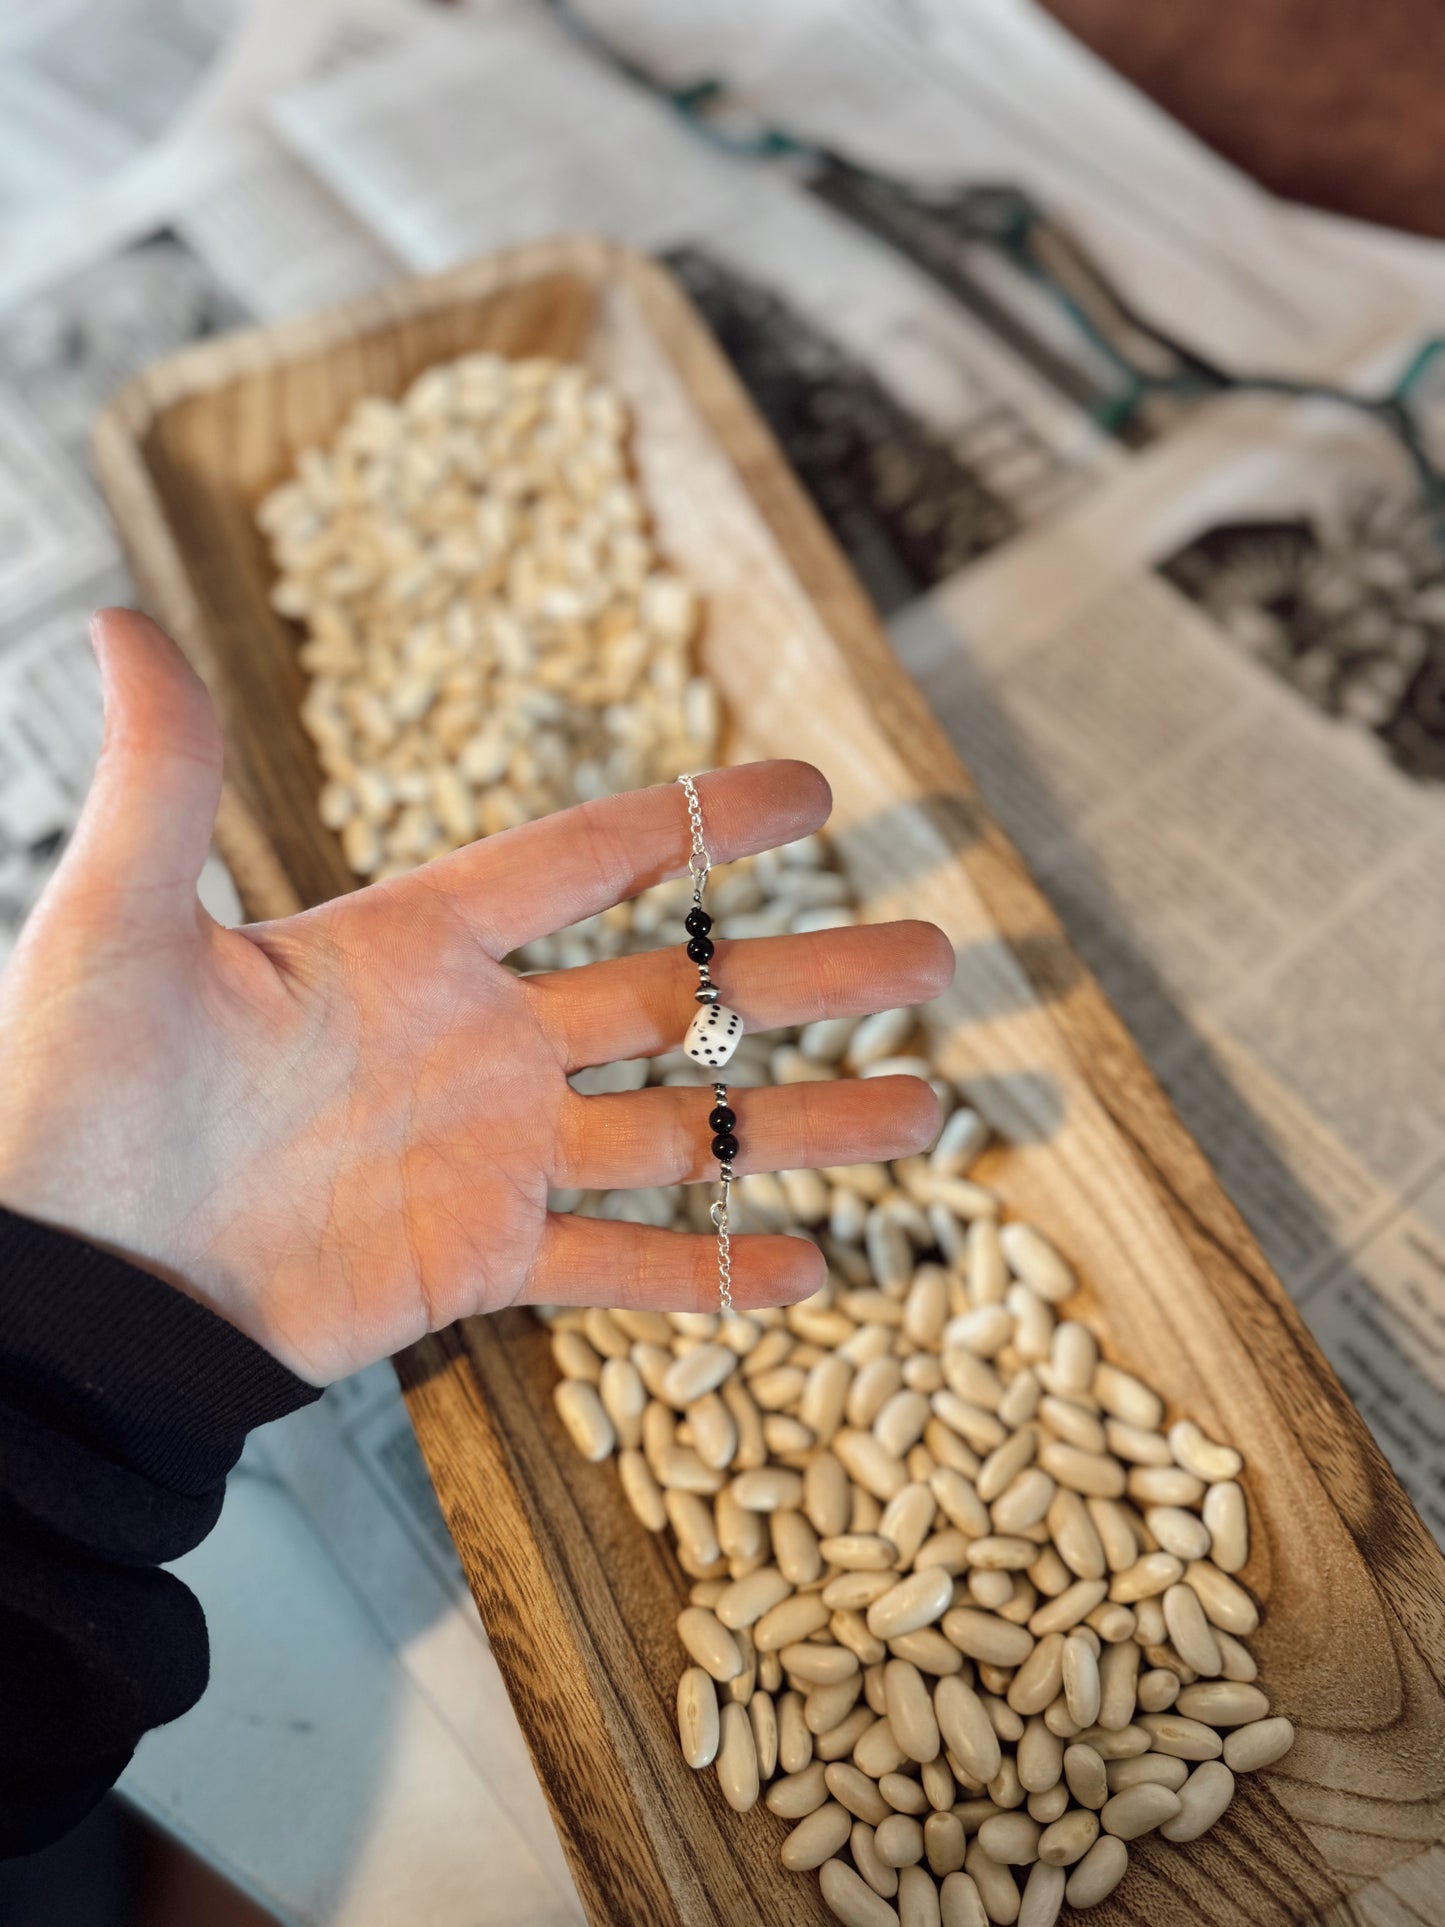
(817, 1837)
(1202, 1799)
(1031, 1257)
(580, 1410)
(851, 1900)
(1200, 1455)
(1098, 1873)
(697, 1717)
(737, 1759)
(1248, 1748)
(1138, 1810)
(1227, 1518)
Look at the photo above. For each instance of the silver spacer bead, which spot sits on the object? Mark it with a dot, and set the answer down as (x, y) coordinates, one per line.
(706, 994)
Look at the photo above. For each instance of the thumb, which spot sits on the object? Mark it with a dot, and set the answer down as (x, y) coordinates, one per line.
(146, 826)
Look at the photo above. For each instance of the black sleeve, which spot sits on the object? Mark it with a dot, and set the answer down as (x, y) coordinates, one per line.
(123, 1405)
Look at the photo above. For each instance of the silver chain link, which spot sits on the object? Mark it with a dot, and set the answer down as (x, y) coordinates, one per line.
(719, 1216)
(699, 862)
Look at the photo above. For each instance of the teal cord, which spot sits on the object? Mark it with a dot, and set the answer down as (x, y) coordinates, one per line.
(1419, 362)
(1113, 413)
(689, 102)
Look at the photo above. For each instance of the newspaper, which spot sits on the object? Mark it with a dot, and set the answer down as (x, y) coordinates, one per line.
(49, 737)
(124, 71)
(1235, 810)
(74, 186)
(483, 132)
(63, 352)
(273, 234)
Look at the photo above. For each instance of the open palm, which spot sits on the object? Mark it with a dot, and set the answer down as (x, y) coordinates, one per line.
(339, 1130)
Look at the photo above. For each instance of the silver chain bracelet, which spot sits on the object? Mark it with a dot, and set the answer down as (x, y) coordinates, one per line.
(712, 1037)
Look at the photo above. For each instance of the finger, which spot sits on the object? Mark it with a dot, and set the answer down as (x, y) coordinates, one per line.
(640, 1006)
(527, 882)
(661, 1136)
(147, 822)
(588, 1261)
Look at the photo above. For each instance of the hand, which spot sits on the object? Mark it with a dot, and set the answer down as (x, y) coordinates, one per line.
(338, 1130)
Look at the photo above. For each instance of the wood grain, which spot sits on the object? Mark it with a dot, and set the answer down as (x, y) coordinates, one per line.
(578, 1600)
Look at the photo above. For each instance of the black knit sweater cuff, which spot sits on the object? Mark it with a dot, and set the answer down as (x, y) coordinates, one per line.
(113, 1355)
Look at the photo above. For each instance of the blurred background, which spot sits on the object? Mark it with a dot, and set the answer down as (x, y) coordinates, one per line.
(1104, 340)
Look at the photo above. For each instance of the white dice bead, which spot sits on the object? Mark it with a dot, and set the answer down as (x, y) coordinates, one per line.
(713, 1035)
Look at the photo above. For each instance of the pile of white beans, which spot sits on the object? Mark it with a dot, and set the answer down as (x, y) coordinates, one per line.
(489, 632)
(964, 1609)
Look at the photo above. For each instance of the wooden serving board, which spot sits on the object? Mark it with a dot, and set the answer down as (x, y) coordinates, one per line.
(578, 1600)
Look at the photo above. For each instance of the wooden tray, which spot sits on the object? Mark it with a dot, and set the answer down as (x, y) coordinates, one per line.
(578, 1600)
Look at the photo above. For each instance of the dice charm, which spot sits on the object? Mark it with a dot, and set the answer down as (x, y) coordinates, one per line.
(713, 1035)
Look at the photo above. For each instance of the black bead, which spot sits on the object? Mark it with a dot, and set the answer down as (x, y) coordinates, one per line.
(700, 949)
(722, 1119)
(697, 922)
(724, 1147)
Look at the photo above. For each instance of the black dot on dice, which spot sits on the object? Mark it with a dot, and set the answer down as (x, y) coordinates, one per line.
(697, 923)
(700, 949)
(724, 1147)
(722, 1119)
